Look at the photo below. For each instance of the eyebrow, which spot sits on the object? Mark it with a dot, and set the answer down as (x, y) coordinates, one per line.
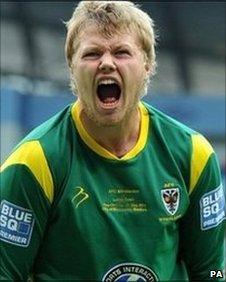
(123, 45)
(88, 47)
(94, 46)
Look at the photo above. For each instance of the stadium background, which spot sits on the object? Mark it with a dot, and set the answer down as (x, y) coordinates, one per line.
(189, 84)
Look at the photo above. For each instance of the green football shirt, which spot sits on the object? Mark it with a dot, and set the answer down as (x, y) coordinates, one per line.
(71, 210)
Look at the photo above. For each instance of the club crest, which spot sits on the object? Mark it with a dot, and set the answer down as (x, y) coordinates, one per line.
(171, 198)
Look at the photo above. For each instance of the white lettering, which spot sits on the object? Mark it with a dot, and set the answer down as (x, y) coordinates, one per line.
(220, 216)
(209, 222)
(12, 224)
(5, 209)
(3, 220)
(28, 218)
(212, 273)
(23, 240)
(11, 212)
(206, 211)
(213, 198)
(16, 213)
(19, 215)
(13, 238)
(216, 274)
(215, 208)
(205, 201)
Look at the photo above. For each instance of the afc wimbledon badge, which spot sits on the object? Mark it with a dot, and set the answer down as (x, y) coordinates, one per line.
(170, 198)
(126, 272)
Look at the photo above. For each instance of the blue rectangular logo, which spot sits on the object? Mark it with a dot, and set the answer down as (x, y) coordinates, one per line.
(16, 224)
(212, 208)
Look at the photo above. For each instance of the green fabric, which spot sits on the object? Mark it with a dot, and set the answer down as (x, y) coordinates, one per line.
(107, 212)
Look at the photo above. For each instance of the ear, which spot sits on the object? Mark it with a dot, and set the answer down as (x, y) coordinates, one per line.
(147, 67)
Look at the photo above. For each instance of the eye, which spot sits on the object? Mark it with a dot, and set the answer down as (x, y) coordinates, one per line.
(91, 55)
(122, 53)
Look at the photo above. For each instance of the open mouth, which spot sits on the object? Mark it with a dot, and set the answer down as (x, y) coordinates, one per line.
(108, 92)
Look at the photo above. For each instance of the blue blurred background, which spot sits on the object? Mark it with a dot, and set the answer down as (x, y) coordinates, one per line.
(189, 84)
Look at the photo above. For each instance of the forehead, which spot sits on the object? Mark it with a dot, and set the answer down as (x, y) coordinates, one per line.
(92, 36)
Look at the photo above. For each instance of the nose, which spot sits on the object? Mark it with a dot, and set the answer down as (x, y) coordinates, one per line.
(107, 63)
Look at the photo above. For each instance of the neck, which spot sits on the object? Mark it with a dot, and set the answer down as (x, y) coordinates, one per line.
(118, 139)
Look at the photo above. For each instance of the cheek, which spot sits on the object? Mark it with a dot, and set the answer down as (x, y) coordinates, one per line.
(135, 81)
(136, 75)
(139, 65)
(83, 75)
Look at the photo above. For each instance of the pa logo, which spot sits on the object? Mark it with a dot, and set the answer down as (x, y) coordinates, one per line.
(171, 198)
(126, 272)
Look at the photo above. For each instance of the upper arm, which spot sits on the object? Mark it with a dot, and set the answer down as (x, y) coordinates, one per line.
(202, 228)
(26, 196)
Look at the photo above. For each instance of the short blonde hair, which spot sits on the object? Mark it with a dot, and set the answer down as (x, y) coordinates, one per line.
(111, 17)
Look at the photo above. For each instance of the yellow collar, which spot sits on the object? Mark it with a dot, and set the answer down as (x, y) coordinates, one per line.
(97, 148)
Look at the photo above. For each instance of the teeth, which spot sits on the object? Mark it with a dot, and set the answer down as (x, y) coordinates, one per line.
(107, 81)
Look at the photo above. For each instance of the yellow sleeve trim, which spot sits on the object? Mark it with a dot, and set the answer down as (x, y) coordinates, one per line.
(31, 155)
(97, 148)
(201, 151)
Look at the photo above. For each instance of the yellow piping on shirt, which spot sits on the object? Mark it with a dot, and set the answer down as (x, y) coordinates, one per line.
(142, 140)
(201, 151)
(31, 155)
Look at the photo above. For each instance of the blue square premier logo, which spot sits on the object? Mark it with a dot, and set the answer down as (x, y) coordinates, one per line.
(16, 224)
(212, 208)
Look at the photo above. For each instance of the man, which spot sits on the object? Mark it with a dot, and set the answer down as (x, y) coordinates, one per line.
(111, 189)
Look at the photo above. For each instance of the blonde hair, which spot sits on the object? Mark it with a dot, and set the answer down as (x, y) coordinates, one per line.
(111, 17)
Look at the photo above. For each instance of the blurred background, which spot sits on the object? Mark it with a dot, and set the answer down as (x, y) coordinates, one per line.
(189, 84)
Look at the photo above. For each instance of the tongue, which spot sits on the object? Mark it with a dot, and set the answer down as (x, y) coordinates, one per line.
(108, 93)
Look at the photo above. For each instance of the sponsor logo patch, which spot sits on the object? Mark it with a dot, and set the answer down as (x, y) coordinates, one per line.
(171, 198)
(126, 272)
(212, 208)
(16, 224)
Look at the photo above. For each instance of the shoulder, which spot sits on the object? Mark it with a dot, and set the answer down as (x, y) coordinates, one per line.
(51, 137)
(171, 128)
(167, 123)
(41, 151)
(191, 150)
(31, 155)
